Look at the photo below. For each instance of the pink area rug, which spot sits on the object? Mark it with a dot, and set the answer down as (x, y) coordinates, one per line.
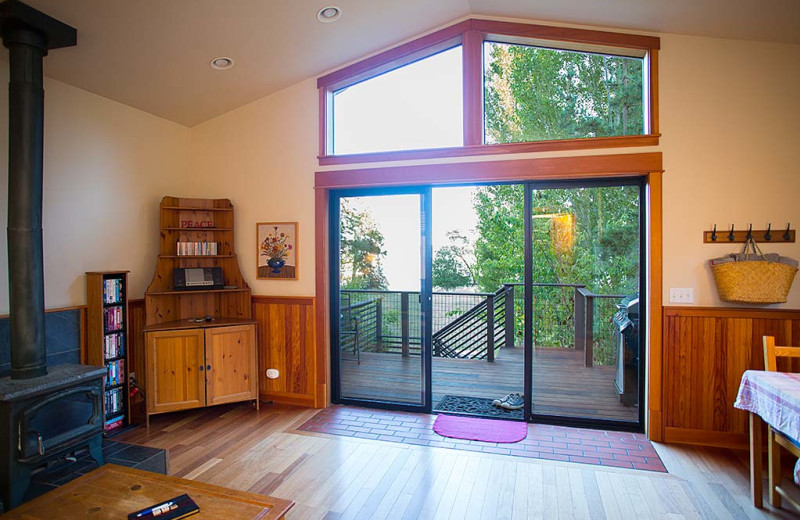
(486, 430)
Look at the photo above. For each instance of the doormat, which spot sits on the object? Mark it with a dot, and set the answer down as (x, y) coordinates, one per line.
(478, 406)
(485, 430)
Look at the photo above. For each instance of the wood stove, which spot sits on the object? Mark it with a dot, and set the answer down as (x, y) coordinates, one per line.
(46, 418)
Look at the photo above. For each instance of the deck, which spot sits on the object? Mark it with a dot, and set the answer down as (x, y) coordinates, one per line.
(562, 385)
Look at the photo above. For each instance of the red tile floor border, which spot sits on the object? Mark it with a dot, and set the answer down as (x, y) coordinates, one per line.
(581, 445)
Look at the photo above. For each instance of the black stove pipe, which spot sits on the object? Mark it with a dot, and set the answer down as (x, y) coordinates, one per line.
(25, 259)
(28, 34)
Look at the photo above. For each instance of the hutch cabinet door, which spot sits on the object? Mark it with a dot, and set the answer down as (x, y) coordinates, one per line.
(175, 370)
(231, 353)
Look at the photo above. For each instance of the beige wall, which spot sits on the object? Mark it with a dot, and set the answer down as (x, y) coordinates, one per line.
(729, 115)
(729, 111)
(106, 167)
(263, 156)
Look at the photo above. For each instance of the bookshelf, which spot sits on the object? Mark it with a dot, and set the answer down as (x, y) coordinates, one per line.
(107, 340)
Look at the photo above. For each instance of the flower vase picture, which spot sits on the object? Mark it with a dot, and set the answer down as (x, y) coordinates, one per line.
(276, 250)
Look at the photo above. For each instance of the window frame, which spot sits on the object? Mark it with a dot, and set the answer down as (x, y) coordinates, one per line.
(471, 34)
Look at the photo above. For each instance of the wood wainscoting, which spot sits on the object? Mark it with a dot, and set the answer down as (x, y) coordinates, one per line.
(705, 353)
(287, 342)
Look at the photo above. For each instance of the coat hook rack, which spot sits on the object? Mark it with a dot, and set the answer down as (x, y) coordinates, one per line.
(760, 235)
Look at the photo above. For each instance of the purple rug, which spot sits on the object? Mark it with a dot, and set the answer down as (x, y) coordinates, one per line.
(487, 430)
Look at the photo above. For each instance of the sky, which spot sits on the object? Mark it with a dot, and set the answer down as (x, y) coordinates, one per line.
(398, 218)
(414, 107)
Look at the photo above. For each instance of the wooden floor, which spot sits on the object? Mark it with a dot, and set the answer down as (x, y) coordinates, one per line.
(337, 478)
(562, 384)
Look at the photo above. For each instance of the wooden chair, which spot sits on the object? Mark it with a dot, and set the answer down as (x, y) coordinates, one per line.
(775, 439)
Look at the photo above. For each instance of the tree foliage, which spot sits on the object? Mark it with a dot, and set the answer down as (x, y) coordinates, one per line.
(454, 263)
(535, 94)
(361, 250)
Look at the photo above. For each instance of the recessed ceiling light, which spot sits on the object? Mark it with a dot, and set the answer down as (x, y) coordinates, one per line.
(222, 63)
(329, 14)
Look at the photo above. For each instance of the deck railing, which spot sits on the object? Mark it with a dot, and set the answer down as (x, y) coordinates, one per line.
(564, 315)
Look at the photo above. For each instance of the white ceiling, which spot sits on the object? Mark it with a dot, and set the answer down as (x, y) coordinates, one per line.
(154, 54)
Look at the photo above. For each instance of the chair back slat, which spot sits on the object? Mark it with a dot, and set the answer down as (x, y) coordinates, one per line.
(772, 352)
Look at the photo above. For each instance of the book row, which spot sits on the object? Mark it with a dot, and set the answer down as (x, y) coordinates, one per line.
(114, 345)
(114, 318)
(115, 401)
(197, 248)
(116, 372)
(112, 290)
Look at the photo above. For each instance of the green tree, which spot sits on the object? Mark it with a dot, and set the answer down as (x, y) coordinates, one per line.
(453, 264)
(535, 94)
(361, 250)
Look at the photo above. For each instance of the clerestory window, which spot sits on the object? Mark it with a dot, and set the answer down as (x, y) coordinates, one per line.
(483, 87)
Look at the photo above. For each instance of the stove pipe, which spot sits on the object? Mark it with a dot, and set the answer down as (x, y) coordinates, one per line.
(28, 34)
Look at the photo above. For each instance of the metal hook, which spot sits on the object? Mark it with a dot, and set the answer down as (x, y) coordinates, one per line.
(768, 234)
(749, 232)
(786, 235)
(714, 234)
(731, 236)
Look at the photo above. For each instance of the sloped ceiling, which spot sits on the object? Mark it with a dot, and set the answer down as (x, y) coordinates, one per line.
(154, 54)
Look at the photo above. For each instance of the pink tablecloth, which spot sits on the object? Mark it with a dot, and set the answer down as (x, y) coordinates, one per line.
(775, 396)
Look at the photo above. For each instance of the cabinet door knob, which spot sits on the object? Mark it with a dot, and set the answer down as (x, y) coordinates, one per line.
(208, 367)
(201, 368)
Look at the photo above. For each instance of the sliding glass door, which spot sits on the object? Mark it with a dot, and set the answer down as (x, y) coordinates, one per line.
(380, 299)
(584, 321)
(514, 301)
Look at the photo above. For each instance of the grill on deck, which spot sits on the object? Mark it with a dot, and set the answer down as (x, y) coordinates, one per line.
(626, 322)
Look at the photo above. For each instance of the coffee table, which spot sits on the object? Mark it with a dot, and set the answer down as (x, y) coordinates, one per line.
(111, 492)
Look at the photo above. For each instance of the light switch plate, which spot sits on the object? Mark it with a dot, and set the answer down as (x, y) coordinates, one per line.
(681, 295)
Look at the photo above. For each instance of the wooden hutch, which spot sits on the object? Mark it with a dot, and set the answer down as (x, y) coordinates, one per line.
(200, 345)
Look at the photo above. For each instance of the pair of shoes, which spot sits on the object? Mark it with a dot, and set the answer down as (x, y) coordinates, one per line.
(514, 402)
(510, 402)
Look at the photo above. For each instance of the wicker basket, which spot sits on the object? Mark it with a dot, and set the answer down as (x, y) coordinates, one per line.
(753, 281)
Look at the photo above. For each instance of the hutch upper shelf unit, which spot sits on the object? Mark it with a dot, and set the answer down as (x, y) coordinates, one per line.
(196, 233)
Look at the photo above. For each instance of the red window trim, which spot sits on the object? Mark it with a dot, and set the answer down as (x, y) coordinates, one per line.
(471, 34)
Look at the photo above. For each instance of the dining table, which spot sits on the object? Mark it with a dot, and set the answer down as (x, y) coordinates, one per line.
(774, 398)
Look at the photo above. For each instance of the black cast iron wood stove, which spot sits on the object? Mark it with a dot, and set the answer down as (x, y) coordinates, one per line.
(43, 416)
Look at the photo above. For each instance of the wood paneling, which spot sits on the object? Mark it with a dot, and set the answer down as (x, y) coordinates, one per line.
(287, 343)
(705, 353)
(136, 321)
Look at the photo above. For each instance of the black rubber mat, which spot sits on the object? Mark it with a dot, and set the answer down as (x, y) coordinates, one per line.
(477, 406)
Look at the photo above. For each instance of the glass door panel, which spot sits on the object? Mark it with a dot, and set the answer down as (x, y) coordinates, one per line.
(586, 328)
(478, 257)
(377, 324)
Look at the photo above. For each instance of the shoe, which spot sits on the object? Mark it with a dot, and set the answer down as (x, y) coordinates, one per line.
(499, 402)
(514, 402)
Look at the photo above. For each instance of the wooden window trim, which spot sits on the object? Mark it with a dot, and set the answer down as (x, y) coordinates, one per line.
(471, 34)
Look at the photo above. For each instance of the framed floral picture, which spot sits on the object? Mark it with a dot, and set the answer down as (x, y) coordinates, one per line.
(276, 250)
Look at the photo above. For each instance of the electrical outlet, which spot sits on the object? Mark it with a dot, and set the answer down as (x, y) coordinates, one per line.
(681, 295)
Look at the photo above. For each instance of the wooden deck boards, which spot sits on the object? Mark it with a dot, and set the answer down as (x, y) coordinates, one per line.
(562, 386)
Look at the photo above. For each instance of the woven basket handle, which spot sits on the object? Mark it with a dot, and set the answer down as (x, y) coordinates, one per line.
(750, 243)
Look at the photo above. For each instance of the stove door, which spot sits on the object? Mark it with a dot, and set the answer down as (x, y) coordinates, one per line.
(59, 420)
